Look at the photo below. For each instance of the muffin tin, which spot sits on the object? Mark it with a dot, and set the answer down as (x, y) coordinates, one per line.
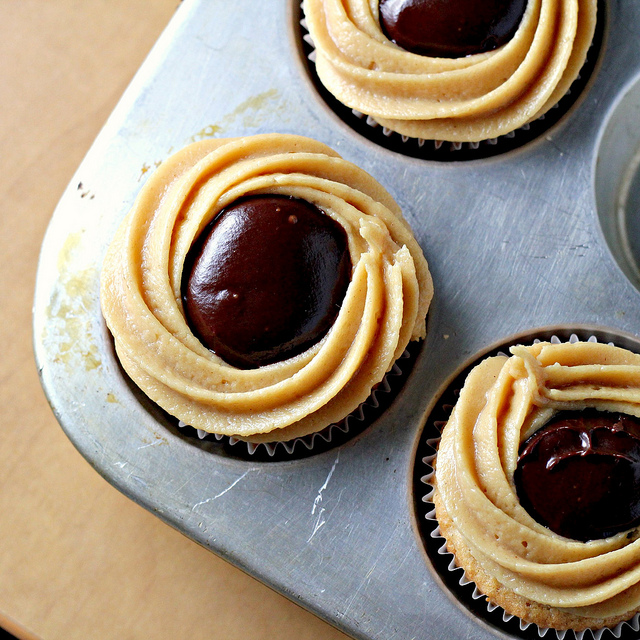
(543, 235)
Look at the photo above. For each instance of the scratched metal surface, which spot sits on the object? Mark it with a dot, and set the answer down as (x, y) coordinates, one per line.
(513, 243)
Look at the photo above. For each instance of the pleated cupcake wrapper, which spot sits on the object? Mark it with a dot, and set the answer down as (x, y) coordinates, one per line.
(337, 433)
(633, 624)
(445, 144)
(440, 146)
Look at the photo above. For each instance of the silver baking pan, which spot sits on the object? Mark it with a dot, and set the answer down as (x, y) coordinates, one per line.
(544, 235)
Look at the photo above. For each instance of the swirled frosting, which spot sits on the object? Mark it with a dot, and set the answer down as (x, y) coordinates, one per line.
(505, 400)
(383, 309)
(464, 99)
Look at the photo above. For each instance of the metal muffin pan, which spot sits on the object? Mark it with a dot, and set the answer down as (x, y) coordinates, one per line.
(513, 243)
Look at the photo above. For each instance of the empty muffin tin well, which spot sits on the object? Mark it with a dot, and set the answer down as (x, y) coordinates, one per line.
(617, 181)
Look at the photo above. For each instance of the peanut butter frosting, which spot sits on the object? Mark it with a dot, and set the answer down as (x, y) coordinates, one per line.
(384, 308)
(504, 400)
(466, 99)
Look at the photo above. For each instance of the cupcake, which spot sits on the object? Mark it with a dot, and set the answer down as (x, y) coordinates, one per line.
(260, 287)
(461, 72)
(537, 483)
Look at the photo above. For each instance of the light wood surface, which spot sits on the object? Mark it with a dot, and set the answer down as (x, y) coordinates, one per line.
(78, 559)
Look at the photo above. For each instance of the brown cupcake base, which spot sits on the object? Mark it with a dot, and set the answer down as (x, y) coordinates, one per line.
(531, 612)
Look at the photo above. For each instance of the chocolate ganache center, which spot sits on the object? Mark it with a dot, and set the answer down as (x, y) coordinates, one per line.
(265, 281)
(580, 474)
(450, 28)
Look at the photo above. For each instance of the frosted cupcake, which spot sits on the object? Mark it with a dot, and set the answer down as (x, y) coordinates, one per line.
(260, 287)
(537, 483)
(430, 70)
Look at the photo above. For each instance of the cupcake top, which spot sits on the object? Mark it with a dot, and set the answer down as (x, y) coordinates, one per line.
(549, 406)
(450, 83)
(199, 334)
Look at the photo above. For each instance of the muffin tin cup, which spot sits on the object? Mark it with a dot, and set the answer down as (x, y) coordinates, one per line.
(617, 181)
(453, 577)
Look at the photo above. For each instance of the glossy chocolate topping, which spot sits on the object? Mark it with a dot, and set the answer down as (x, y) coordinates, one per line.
(265, 280)
(450, 28)
(580, 474)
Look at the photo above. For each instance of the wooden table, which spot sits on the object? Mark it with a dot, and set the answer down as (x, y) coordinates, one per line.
(77, 558)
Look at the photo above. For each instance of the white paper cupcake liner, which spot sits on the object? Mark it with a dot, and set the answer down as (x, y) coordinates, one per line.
(331, 436)
(442, 150)
(457, 581)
